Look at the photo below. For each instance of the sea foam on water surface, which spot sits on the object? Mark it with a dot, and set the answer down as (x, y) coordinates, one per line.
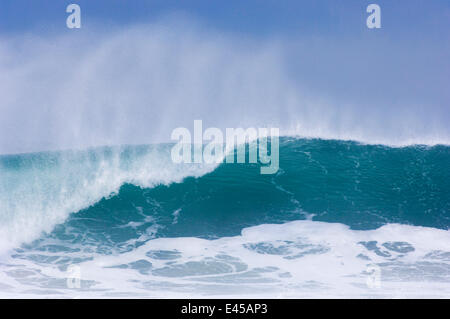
(295, 259)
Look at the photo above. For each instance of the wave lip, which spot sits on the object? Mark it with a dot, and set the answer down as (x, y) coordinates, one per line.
(40, 190)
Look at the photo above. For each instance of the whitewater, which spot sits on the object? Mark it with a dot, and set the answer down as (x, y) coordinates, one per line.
(340, 219)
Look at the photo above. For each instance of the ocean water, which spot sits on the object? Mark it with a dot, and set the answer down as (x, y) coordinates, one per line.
(339, 219)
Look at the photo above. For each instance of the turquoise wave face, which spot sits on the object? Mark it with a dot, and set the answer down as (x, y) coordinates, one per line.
(132, 223)
(362, 186)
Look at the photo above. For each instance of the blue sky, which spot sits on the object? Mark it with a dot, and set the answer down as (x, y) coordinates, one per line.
(258, 17)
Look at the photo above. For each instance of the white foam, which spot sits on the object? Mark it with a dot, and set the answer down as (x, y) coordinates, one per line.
(296, 259)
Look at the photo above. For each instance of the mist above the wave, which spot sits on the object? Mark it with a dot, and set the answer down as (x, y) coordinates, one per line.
(137, 84)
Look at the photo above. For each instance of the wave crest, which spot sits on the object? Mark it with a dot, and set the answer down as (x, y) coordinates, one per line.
(40, 190)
